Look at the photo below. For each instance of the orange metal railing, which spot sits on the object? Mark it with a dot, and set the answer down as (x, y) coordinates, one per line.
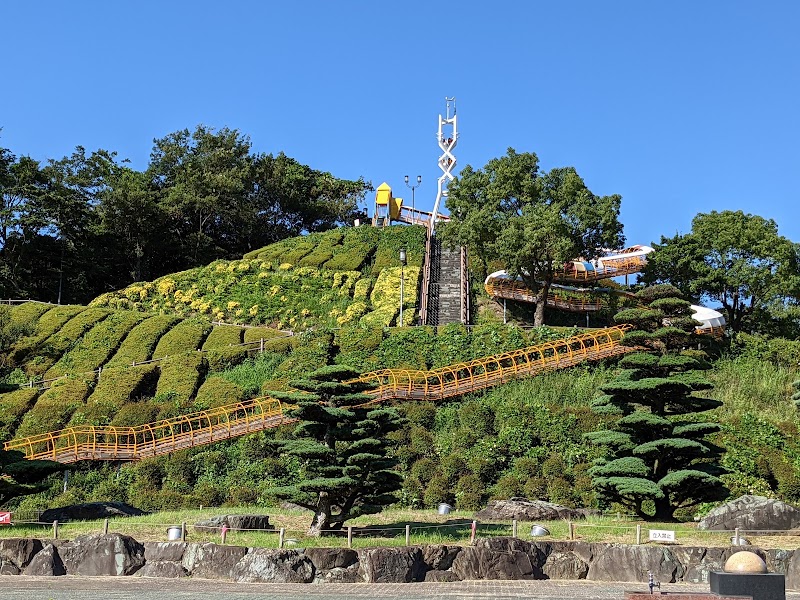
(205, 427)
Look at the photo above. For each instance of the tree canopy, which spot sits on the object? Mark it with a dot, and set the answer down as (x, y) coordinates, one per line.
(739, 261)
(510, 214)
(21, 477)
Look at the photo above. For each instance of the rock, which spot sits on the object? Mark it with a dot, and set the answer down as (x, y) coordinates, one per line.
(46, 563)
(778, 560)
(391, 565)
(564, 565)
(162, 568)
(699, 562)
(90, 511)
(102, 554)
(331, 558)
(211, 561)
(233, 522)
(752, 513)
(265, 565)
(745, 562)
(441, 576)
(525, 510)
(475, 562)
(164, 551)
(16, 553)
(339, 575)
(438, 557)
(632, 563)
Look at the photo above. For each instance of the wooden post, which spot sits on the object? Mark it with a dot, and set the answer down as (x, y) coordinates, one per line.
(473, 532)
(736, 537)
(513, 528)
(183, 531)
(224, 533)
(55, 530)
(571, 530)
(281, 533)
(408, 535)
(105, 527)
(638, 534)
(349, 537)
(261, 346)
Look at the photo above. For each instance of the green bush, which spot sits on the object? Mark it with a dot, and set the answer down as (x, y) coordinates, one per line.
(395, 237)
(54, 407)
(437, 491)
(119, 385)
(181, 375)
(29, 313)
(222, 359)
(13, 405)
(217, 391)
(222, 336)
(282, 345)
(406, 348)
(469, 493)
(252, 373)
(356, 346)
(49, 323)
(186, 336)
(74, 329)
(139, 344)
(312, 352)
(134, 414)
(254, 334)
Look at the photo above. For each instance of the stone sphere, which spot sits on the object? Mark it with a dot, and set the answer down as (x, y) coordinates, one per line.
(745, 562)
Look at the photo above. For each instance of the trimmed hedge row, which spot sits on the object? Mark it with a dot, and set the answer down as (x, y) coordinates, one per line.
(28, 314)
(74, 329)
(138, 346)
(95, 348)
(217, 391)
(254, 334)
(410, 237)
(117, 387)
(222, 336)
(49, 323)
(358, 247)
(13, 406)
(55, 407)
(186, 336)
(181, 375)
(135, 414)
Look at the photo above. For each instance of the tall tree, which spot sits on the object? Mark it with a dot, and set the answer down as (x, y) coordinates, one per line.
(738, 260)
(510, 214)
(657, 459)
(345, 467)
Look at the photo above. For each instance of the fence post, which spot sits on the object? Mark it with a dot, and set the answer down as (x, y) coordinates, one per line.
(638, 534)
(224, 533)
(261, 346)
(349, 537)
(408, 535)
(281, 533)
(513, 528)
(55, 530)
(183, 531)
(473, 532)
(736, 537)
(571, 530)
(105, 527)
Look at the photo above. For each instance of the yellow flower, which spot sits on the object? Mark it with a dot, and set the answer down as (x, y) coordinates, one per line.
(166, 286)
(253, 310)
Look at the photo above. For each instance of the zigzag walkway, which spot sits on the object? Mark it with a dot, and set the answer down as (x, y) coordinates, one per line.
(206, 427)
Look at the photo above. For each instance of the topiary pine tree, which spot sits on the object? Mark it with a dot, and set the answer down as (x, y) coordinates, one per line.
(345, 467)
(657, 458)
(796, 395)
(21, 477)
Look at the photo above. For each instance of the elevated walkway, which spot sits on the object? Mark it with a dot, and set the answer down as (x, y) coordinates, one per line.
(226, 422)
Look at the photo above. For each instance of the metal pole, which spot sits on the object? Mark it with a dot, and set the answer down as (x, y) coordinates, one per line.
(638, 534)
(571, 530)
(183, 531)
(281, 533)
(402, 291)
(736, 537)
(408, 535)
(513, 528)
(349, 537)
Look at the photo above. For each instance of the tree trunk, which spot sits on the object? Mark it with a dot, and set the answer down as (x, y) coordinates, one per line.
(322, 516)
(541, 304)
(664, 510)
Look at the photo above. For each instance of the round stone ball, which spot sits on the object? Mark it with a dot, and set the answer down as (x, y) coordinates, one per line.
(745, 562)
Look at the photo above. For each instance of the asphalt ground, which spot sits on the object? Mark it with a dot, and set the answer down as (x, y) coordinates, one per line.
(140, 588)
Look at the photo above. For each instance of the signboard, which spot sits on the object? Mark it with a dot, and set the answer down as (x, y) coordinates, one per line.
(5, 518)
(662, 535)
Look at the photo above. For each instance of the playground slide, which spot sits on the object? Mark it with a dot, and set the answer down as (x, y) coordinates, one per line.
(206, 427)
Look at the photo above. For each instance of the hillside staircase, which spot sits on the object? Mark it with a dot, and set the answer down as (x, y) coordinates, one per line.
(448, 287)
(226, 422)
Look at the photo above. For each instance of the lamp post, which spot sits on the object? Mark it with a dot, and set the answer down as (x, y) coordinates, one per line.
(413, 188)
(402, 281)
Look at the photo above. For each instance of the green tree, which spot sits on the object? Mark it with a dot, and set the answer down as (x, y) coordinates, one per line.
(796, 394)
(738, 260)
(340, 443)
(657, 459)
(21, 477)
(509, 214)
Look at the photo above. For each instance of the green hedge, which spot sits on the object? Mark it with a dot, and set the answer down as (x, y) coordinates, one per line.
(138, 346)
(254, 334)
(49, 323)
(135, 414)
(181, 375)
(95, 348)
(222, 336)
(74, 329)
(218, 392)
(186, 336)
(356, 347)
(13, 405)
(55, 407)
(358, 247)
(28, 314)
(117, 386)
(222, 359)
(410, 237)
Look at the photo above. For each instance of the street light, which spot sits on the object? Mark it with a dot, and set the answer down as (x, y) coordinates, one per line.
(402, 281)
(413, 187)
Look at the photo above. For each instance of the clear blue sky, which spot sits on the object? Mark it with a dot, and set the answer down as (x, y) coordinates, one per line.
(681, 107)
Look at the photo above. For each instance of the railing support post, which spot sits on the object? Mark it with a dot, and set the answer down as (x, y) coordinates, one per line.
(183, 531)
(571, 530)
(736, 537)
(513, 528)
(473, 532)
(349, 537)
(105, 527)
(638, 534)
(55, 530)
(281, 535)
(408, 535)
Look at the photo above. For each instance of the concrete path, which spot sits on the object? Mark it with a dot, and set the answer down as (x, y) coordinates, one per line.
(139, 588)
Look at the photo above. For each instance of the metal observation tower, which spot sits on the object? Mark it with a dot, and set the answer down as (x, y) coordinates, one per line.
(447, 137)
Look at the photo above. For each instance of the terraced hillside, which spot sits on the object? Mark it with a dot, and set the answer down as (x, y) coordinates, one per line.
(348, 275)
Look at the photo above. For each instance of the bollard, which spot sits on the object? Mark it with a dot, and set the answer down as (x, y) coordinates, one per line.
(55, 530)
(408, 535)
(281, 533)
(473, 532)
(183, 531)
(349, 537)
(736, 537)
(571, 530)
(513, 528)
(638, 534)
(105, 527)
(224, 533)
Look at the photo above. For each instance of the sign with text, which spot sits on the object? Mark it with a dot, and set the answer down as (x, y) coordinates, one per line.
(5, 518)
(662, 535)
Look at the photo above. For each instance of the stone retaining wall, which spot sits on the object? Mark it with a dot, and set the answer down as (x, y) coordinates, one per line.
(488, 558)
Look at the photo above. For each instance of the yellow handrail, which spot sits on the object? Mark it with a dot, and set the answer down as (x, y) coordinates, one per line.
(208, 426)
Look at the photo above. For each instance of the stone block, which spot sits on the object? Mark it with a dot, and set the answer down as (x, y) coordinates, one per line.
(759, 586)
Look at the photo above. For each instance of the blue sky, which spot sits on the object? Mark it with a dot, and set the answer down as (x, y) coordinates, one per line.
(681, 107)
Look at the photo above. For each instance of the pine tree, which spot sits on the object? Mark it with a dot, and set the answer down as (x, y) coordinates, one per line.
(21, 477)
(657, 458)
(796, 395)
(340, 443)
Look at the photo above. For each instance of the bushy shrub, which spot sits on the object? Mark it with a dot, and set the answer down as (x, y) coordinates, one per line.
(28, 313)
(54, 407)
(217, 391)
(222, 359)
(405, 348)
(74, 329)
(251, 375)
(393, 238)
(139, 344)
(186, 336)
(13, 405)
(134, 414)
(120, 385)
(356, 346)
(282, 345)
(313, 352)
(222, 336)
(49, 323)
(437, 491)
(254, 334)
(182, 374)
(469, 493)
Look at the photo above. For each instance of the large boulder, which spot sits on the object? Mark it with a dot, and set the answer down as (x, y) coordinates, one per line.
(233, 522)
(752, 513)
(46, 563)
(331, 558)
(90, 511)
(564, 565)
(267, 565)
(391, 565)
(16, 553)
(523, 509)
(633, 563)
(102, 554)
(211, 561)
(438, 557)
(490, 560)
(164, 551)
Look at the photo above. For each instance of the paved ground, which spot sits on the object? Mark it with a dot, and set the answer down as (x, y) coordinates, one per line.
(135, 588)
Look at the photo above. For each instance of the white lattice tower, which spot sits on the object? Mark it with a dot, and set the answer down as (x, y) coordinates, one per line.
(447, 137)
